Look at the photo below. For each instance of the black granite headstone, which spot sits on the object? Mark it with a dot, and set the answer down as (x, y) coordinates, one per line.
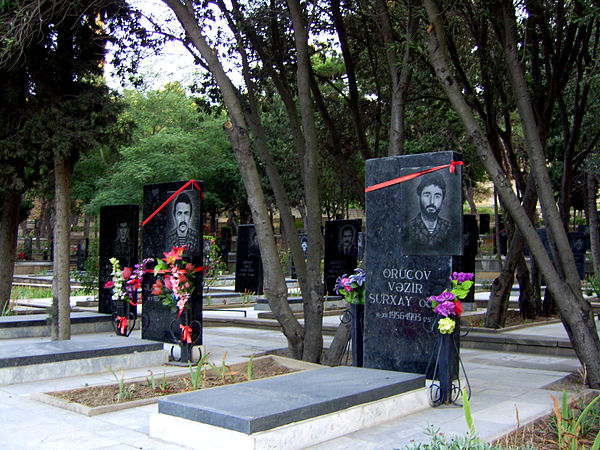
(407, 261)
(248, 264)
(28, 248)
(484, 223)
(341, 250)
(119, 226)
(577, 243)
(466, 262)
(171, 219)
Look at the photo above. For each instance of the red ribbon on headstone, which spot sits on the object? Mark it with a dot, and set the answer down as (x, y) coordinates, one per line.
(170, 199)
(411, 176)
(186, 333)
(122, 324)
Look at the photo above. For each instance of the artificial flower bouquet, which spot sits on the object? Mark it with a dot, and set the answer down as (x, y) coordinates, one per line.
(352, 287)
(448, 303)
(176, 284)
(126, 282)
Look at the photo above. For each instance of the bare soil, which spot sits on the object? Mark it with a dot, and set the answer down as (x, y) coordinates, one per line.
(513, 318)
(93, 396)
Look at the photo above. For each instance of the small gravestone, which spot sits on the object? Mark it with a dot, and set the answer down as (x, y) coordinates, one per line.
(248, 264)
(82, 254)
(28, 248)
(172, 218)
(119, 226)
(578, 247)
(341, 250)
(466, 262)
(414, 226)
(484, 223)
(304, 245)
(361, 246)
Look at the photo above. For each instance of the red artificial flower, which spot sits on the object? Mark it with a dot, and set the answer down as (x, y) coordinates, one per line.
(126, 273)
(157, 287)
(168, 283)
(458, 308)
(109, 284)
(173, 255)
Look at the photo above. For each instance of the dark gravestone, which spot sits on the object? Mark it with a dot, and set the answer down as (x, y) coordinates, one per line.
(304, 245)
(361, 246)
(171, 219)
(28, 248)
(484, 223)
(119, 226)
(577, 243)
(341, 250)
(82, 254)
(248, 265)
(405, 263)
(466, 262)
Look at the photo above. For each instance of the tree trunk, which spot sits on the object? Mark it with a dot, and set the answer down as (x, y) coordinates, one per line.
(592, 215)
(274, 281)
(9, 228)
(63, 170)
(526, 294)
(576, 312)
(313, 305)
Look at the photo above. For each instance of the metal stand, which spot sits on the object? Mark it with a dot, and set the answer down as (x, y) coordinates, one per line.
(184, 332)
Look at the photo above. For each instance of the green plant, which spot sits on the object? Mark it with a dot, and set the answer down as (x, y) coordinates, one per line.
(151, 382)
(250, 373)
(247, 296)
(592, 286)
(123, 393)
(570, 426)
(199, 373)
(470, 440)
(223, 370)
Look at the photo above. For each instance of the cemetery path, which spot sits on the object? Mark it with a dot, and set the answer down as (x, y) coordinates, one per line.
(501, 383)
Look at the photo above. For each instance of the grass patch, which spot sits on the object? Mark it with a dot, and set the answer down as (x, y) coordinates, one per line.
(27, 292)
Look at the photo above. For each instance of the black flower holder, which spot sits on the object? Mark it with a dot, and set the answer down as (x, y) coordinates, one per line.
(352, 288)
(445, 387)
(125, 284)
(175, 285)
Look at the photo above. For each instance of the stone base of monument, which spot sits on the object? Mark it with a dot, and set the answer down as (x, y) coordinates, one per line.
(36, 325)
(289, 411)
(55, 359)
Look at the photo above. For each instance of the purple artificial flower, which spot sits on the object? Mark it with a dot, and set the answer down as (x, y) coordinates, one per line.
(445, 296)
(445, 308)
(358, 277)
(342, 283)
(461, 277)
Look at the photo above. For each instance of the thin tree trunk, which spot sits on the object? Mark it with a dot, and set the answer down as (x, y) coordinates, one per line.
(526, 294)
(9, 228)
(313, 305)
(592, 214)
(63, 169)
(237, 131)
(576, 312)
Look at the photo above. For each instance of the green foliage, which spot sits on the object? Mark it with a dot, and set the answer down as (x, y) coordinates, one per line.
(223, 371)
(124, 394)
(570, 426)
(250, 373)
(199, 373)
(171, 134)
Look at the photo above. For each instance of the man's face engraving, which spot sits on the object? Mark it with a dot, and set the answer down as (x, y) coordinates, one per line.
(123, 232)
(182, 217)
(347, 236)
(431, 201)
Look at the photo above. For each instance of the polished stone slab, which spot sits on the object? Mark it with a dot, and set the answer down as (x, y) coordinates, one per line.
(26, 354)
(270, 403)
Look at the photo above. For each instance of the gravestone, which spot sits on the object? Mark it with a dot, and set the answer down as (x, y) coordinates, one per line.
(28, 248)
(341, 250)
(119, 226)
(484, 223)
(466, 262)
(578, 247)
(248, 264)
(82, 254)
(405, 262)
(304, 245)
(361, 246)
(172, 218)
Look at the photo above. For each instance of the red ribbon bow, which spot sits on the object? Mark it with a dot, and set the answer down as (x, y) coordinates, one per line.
(186, 333)
(411, 176)
(122, 324)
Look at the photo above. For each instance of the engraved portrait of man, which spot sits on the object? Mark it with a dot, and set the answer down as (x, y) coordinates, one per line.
(183, 233)
(428, 232)
(347, 241)
(122, 245)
